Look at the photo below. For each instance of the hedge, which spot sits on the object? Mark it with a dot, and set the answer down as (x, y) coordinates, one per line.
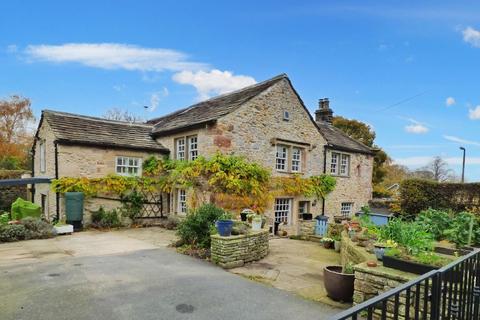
(417, 195)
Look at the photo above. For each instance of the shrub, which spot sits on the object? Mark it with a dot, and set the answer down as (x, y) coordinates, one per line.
(417, 195)
(4, 217)
(106, 219)
(132, 204)
(459, 231)
(195, 229)
(37, 229)
(12, 232)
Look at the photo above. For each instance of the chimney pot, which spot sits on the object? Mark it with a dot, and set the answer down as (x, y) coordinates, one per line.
(324, 113)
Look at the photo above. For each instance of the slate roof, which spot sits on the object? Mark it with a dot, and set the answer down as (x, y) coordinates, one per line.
(71, 128)
(211, 109)
(337, 139)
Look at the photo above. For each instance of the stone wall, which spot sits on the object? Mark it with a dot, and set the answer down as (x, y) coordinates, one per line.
(235, 251)
(8, 194)
(350, 253)
(306, 227)
(372, 281)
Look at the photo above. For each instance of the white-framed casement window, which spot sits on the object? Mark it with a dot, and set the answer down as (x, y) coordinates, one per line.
(281, 158)
(182, 201)
(283, 210)
(340, 164)
(346, 209)
(344, 164)
(192, 148)
(43, 158)
(296, 159)
(128, 166)
(180, 148)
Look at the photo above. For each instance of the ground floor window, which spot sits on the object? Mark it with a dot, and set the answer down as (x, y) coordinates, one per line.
(283, 209)
(182, 201)
(303, 207)
(346, 209)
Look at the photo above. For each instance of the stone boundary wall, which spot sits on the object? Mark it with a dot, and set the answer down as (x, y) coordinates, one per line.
(235, 251)
(353, 254)
(372, 281)
(306, 227)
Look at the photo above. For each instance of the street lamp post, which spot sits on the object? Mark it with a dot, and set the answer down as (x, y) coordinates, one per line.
(463, 165)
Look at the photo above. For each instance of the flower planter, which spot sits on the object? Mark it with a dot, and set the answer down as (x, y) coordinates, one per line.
(339, 286)
(407, 266)
(243, 216)
(306, 216)
(64, 229)
(256, 225)
(224, 227)
(379, 253)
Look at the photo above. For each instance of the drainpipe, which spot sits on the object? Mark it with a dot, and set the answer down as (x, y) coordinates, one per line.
(33, 173)
(324, 171)
(57, 195)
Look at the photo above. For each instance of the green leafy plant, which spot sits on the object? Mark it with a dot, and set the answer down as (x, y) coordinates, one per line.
(132, 204)
(105, 219)
(194, 230)
(435, 222)
(348, 268)
(227, 216)
(410, 235)
(4, 218)
(460, 228)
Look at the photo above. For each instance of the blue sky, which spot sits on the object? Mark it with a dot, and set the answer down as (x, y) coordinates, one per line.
(410, 69)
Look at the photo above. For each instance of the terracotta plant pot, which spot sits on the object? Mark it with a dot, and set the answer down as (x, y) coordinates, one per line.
(339, 286)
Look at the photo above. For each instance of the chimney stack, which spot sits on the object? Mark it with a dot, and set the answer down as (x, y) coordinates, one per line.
(324, 113)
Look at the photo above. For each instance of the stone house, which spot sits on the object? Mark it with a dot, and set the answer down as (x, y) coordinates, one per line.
(267, 123)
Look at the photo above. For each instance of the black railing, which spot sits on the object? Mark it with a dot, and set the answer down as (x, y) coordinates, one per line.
(450, 293)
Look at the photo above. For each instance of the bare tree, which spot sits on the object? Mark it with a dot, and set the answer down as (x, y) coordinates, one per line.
(438, 169)
(121, 115)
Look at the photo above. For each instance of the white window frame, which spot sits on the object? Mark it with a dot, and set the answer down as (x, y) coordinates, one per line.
(334, 162)
(283, 210)
(281, 158)
(344, 164)
(296, 159)
(346, 209)
(127, 164)
(181, 201)
(180, 148)
(192, 147)
(43, 156)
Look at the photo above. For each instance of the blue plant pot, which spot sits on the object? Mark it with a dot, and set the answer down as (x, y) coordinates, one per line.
(379, 253)
(224, 227)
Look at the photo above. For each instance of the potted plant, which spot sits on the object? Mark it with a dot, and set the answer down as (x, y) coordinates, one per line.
(63, 228)
(339, 282)
(224, 225)
(244, 214)
(328, 243)
(337, 244)
(381, 247)
(257, 223)
(423, 262)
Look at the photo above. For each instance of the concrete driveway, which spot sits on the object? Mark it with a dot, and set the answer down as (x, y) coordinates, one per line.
(131, 274)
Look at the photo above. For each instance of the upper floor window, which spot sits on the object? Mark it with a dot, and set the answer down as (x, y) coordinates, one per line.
(296, 160)
(281, 158)
(180, 148)
(340, 164)
(186, 148)
(128, 166)
(43, 160)
(192, 148)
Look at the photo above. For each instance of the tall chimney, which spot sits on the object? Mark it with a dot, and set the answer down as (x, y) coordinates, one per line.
(324, 113)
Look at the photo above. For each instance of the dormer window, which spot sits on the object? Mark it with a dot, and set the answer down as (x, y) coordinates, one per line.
(286, 115)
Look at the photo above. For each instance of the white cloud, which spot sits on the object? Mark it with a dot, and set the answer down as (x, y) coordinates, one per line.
(474, 114)
(416, 129)
(114, 56)
(119, 87)
(471, 36)
(12, 48)
(450, 101)
(461, 141)
(156, 97)
(213, 82)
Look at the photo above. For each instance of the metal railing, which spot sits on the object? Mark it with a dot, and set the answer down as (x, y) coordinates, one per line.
(449, 293)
